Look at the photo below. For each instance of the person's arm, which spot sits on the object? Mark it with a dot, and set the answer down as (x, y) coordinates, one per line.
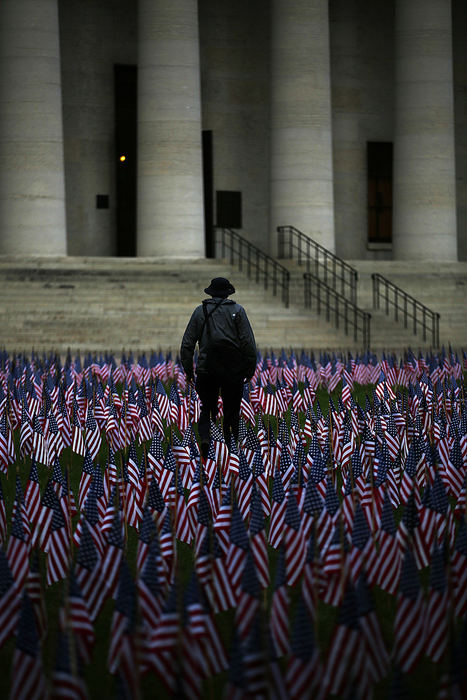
(248, 343)
(189, 340)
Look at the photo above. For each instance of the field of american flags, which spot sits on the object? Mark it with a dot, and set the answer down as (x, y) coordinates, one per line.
(324, 555)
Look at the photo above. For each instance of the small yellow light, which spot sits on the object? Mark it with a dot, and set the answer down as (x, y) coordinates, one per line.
(122, 159)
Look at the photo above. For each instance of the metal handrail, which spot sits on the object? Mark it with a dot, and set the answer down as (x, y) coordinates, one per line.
(410, 307)
(326, 265)
(262, 265)
(343, 309)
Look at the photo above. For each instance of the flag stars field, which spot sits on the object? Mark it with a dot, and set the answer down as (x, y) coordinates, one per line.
(323, 555)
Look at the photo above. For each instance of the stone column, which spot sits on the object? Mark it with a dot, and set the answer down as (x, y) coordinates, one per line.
(349, 153)
(301, 147)
(32, 192)
(424, 219)
(170, 185)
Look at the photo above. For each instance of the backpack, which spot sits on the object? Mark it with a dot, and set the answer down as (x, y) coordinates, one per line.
(224, 359)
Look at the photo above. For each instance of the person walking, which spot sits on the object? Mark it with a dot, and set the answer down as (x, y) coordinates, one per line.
(226, 358)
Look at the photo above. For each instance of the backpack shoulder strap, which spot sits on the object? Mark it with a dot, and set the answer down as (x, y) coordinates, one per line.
(207, 314)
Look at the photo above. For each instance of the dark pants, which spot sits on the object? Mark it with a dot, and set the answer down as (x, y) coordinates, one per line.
(209, 388)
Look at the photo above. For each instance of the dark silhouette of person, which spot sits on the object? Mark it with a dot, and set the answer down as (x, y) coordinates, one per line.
(226, 358)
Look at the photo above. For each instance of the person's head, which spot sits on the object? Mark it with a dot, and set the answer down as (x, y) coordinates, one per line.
(220, 287)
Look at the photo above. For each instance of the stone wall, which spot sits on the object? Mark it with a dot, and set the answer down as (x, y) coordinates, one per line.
(459, 26)
(93, 37)
(234, 47)
(361, 34)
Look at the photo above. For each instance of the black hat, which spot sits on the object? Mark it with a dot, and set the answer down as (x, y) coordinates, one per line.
(220, 287)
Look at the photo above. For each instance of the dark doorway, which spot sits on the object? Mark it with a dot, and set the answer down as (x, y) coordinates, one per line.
(208, 178)
(125, 85)
(229, 209)
(379, 169)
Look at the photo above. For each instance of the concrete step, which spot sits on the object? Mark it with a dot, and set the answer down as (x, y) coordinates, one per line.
(108, 304)
(439, 286)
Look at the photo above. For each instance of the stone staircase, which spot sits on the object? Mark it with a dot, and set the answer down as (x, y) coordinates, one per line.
(110, 304)
(439, 286)
(98, 304)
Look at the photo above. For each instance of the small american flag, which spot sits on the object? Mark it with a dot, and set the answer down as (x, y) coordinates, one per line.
(27, 677)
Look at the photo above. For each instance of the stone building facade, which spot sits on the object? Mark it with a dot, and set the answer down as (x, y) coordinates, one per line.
(130, 127)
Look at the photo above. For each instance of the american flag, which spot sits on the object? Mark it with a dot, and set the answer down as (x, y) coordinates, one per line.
(410, 619)
(164, 637)
(255, 661)
(388, 563)
(25, 440)
(278, 509)
(167, 547)
(58, 547)
(39, 443)
(147, 531)
(238, 549)
(27, 676)
(223, 593)
(244, 485)
(88, 573)
(248, 602)
(36, 594)
(93, 438)
(32, 495)
(343, 663)
(304, 673)
(155, 502)
(295, 545)
(257, 535)
(113, 556)
(7, 447)
(2, 515)
(86, 478)
(437, 614)
(279, 618)
(18, 549)
(120, 654)
(183, 524)
(375, 657)
(67, 682)
(212, 657)
(223, 520)
(310, 507)
(9, 600)
(74, 616)
(203, 519)
(236, 688)
(459, 569)
(150, 597)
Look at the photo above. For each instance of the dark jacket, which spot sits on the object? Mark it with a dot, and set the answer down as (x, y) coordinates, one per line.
(228, 320)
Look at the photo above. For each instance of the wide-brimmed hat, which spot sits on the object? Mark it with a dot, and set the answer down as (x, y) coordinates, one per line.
(220, 287)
